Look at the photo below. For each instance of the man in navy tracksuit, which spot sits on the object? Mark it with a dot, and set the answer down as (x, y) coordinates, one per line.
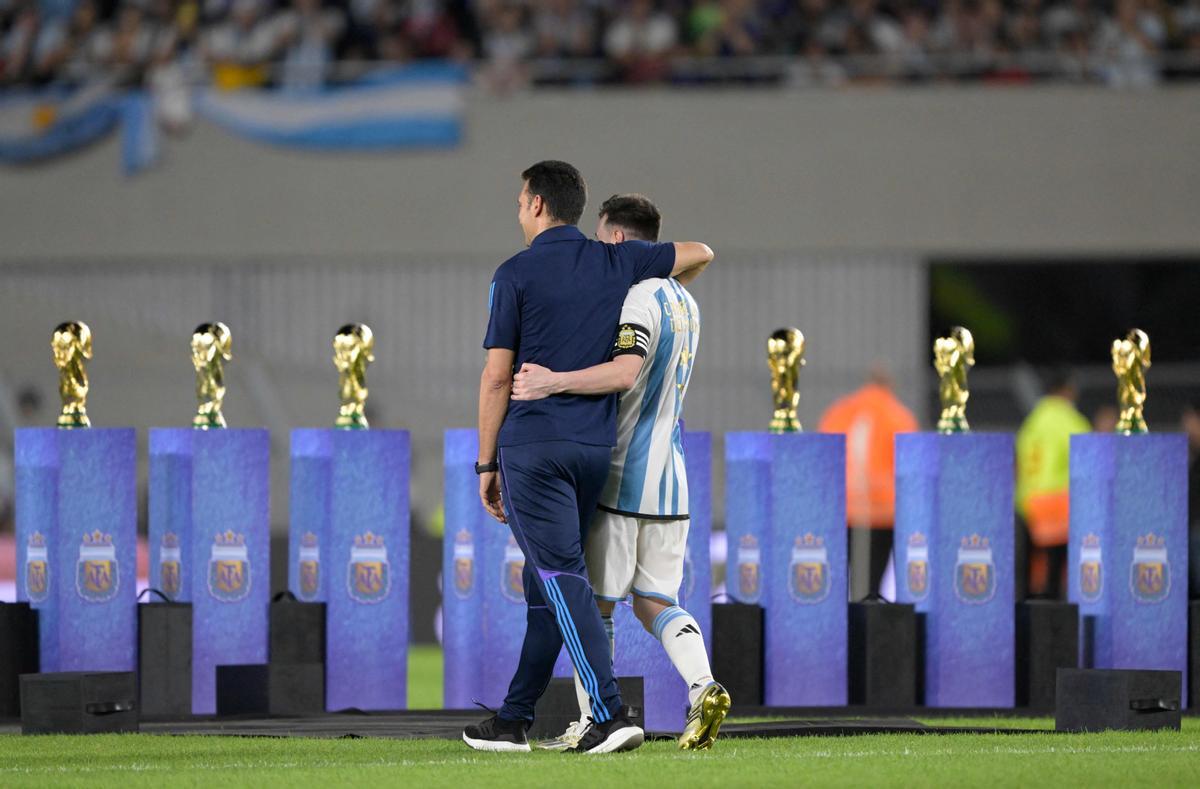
(542, 464)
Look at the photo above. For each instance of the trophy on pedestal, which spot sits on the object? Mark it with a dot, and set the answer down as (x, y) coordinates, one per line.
(785, 357)
(1128, 535)
(210, 523)
(1130, 359)
(953, 356)
(77, 525)
(786, 530)
(954, 543)
(348, 538)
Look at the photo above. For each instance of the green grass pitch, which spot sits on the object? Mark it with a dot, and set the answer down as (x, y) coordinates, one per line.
(1090, 760)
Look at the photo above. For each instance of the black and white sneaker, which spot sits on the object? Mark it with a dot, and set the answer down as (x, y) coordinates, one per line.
(617, 734)
(497, 734)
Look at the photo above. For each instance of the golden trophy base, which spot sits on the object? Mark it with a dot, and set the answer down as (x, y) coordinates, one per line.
(787, 423)
(352, 422)
(1136, 428)
(213, 421)
(73, 420)
(949, 427)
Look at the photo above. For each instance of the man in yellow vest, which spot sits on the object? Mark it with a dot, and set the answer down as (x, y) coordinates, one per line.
(1043, 480)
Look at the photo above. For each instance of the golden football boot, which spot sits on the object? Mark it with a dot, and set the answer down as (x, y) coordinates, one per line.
(705, 718)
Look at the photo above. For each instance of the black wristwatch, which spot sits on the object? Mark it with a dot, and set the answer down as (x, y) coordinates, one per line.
(484, 468)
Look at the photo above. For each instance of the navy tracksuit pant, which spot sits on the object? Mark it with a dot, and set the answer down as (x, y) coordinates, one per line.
(550, 491)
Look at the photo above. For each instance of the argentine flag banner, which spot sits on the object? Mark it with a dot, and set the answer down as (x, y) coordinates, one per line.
(406, 108)
(35, 126)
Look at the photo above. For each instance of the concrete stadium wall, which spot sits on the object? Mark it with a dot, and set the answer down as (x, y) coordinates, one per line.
(932, 170)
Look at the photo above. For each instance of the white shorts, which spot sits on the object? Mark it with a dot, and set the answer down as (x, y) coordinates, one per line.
(639, 555)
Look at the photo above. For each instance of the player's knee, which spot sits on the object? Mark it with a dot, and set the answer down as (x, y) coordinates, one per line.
(606, 607)
(646, 610)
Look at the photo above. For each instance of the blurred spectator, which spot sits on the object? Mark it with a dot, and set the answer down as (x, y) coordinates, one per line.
(564, 29)
(870, 418)
(639, 39)
(1104, 419)
(1043, 482)
(306, 33)
(239, 48)
(1191, 426)
(1127, 44)
(507, 43)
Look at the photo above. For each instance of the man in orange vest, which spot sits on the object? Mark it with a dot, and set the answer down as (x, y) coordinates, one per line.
(870, 418)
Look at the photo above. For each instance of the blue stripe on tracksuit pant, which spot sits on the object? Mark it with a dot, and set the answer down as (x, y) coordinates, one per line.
(550, 490)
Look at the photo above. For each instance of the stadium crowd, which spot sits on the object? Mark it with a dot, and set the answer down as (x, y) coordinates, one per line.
(301, 43)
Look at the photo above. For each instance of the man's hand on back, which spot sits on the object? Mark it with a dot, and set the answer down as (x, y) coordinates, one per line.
(534, 382)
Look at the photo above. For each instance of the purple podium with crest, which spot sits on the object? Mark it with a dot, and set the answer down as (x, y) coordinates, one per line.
(348, 547)
(1128, 549)
(210, 543)
(785, 504)
(76, 508)
(954, 562)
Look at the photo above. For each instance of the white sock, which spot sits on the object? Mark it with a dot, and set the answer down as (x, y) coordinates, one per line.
(681, 637)
(581, 695)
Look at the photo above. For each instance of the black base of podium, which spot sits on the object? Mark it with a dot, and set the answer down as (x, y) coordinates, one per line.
(1194, 654)
(1047, 640)
(559, 707)
(271, 689)
(737, 651)
(1099, 699)
(79, 702)
(18, 653)
(165, 660)
(882, 655)
(296, 632)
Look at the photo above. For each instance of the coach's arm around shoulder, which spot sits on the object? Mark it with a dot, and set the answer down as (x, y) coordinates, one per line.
(691, 257)
(495, 386)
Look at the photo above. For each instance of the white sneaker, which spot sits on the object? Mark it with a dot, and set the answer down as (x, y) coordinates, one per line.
(569, 738)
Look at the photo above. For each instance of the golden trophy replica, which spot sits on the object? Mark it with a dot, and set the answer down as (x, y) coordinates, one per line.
(212, 346)
(952, 357)
(353, 350)
(72, 346)
(1130, 358)
(785, 357)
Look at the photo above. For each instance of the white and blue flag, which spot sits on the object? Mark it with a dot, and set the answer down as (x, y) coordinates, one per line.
(411, 107)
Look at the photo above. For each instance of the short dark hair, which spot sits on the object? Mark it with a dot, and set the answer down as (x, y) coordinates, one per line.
(635, 214)
(1058, 379)
(561, 188)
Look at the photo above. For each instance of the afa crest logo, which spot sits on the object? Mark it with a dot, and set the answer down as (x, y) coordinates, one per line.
(229, 567)
(1091, 569)
(37, 568)
(1150, 572)
(749, 575)
(308, 566)
(96, 577)
(170, 568)
(511, 584)
(464, 564)
(808, 575)
(975, 572)
(916, 563)
(369, 578)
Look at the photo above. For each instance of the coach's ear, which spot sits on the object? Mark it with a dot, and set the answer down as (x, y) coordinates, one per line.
(618, 235)
(537, 206)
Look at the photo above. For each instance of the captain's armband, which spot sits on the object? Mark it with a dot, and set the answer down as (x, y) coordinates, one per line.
(631, 339)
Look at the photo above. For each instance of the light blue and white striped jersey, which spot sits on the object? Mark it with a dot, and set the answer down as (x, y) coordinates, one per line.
(660, 321)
